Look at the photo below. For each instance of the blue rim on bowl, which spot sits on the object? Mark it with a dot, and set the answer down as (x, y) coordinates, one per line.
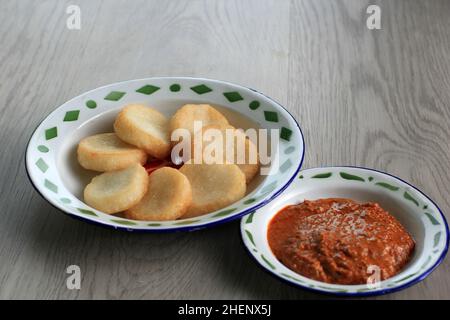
(417, 212)
(43, 159)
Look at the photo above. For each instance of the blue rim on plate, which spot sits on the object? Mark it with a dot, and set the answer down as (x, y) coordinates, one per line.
(187, 227)
(409, 283)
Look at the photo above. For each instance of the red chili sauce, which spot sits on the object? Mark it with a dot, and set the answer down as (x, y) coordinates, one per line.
(154, 164)
(337, 240)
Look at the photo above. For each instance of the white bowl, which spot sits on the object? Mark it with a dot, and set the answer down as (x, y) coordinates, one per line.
(51, 152)
(418, 214)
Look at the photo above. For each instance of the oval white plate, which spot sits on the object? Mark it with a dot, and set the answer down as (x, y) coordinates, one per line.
(51, 152)
(418, 213)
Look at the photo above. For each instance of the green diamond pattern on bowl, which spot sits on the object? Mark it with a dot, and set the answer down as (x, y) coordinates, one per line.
(410, 198)
(348, 176)
(201, 89)
(433, 220)
(267, 262)
(42, 165)
(437, 238)
(72, 115)
(426, 262)
(250, 217)
(91, 104)
(285, 133)
(115, 95)
(322, 175)
(148, 89)
(51, 133)
(175, 87)
(387, 186)
(271, 116)
(233, 96)
(250, 236)
(51, 186)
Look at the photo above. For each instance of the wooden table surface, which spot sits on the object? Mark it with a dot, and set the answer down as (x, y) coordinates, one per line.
(374, 98)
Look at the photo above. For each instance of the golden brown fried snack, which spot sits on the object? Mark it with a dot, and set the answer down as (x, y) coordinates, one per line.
(248, 161)
(214, 186)
(116, 191)
(185, 116)
(168, 197)
(144, 127)
(106, 152)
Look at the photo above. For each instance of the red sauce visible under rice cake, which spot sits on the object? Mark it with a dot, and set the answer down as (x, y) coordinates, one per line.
(336, 240)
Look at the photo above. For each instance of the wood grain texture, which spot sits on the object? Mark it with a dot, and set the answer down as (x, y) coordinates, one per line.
(378, 99)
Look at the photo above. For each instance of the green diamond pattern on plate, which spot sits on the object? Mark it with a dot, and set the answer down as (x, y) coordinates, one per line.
(115, 95)
(233, 96)
(148, 89)
(224, 212)
(182, 223)
(175, 87)
(72, 115)
(286, 165)
(43, 148)
(269, 188)
(248, 201)
(271, 116)
(291, 277)
(254, 105)
(285, 133)
(41, 165)
(65, 200)
(51, 186)
(88, 212)
(91, 104)
(201, 89)
(124, 222)
(289, 150)
(51, 133)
